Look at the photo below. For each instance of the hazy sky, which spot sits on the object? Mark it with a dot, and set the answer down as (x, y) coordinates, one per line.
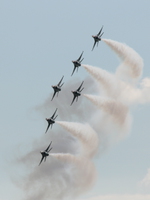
(39, 39)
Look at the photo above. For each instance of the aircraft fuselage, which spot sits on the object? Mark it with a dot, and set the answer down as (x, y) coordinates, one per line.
(96, 38)
(76, 93)
(57, 88)
(44, 153)
(50, 121)
(77, 64)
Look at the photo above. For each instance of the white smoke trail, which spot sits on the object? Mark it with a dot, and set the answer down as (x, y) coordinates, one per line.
(107, 80)
(109, 85)
(116, 109)
(112, 87)
(145, 91)
(83, 171)
(130, 58)
(115, 119)
(85, 134)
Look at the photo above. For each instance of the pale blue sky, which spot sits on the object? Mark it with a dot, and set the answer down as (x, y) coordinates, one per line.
(38, 40)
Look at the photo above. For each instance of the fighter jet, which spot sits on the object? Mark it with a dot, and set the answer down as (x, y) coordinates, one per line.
(45, 153)
(57, 88)
(77, 63)
(77, 93)
(51, 120)
(97, 38)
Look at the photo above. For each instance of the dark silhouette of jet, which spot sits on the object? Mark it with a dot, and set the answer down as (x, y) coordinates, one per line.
(97, 38)
(51, 120)
(45, 153)
(57, 88)
(77, 93)
(77, 63)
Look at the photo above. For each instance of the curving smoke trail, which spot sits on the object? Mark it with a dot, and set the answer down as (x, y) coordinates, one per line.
(113, 87)
(83, 171)
(129, 57)
(116, 109)
(107, 80)
(85, 134)
(109, 85)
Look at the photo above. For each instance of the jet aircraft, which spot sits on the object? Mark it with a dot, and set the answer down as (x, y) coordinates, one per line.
(97, 37)
(77, 63)
(51, 120)
(57, 88)
(77, 93)
(45, 153)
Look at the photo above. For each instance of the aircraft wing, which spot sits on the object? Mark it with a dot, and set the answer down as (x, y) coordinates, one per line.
(48, 146)
(53, 95)
(102, 34)
(100, 31)
(94, 45)
(73, 70)
(73, 100)
(80, 56)
(41, 159)
(61, 85)
(47, 127)
(54, 114)
(49, 149)
(80, 86)
(60, 81)
(55, 117)
(81, 60)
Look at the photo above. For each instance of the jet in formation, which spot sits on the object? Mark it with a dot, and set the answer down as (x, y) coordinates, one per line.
(51, 120)
(77, 63)
(97, 37)
(45, 153)
(57, 88)
(77, 93)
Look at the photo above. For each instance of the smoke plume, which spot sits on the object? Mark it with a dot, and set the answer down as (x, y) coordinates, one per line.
(132, 63)
(85, 134)
(114, 108)
(83, 171)
(86, 127)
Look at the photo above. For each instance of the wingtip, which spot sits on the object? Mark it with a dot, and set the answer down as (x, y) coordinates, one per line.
(52, 98)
